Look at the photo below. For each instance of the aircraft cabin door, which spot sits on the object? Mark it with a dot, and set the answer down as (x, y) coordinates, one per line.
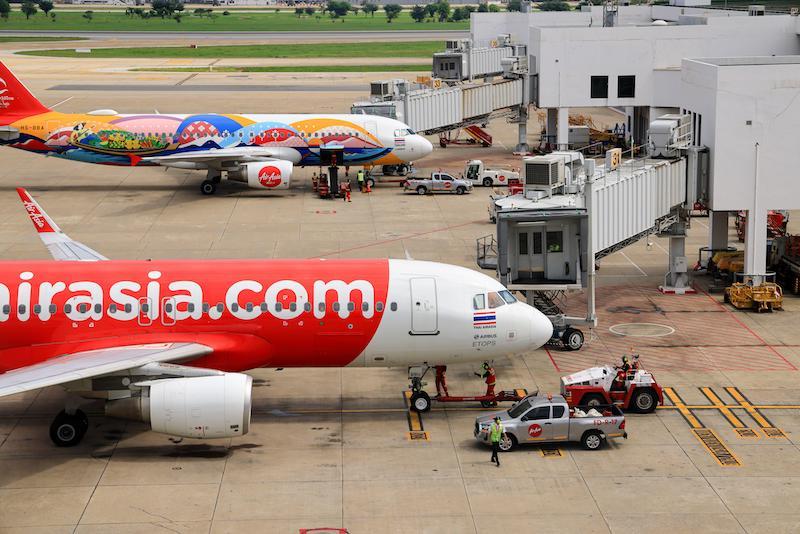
(145, 318)
(424, 319)
(168, 311)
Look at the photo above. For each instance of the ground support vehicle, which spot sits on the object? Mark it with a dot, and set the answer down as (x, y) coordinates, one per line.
(476, 173)
(784, 258)
(421, 401)
(439, 182)
(776, 223)
(632, 389)
(743, 294)
(475, 136)
(549, 419)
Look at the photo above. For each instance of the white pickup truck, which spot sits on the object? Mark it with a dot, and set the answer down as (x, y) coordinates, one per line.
(439, 182)
(548, 419)
(476, 173)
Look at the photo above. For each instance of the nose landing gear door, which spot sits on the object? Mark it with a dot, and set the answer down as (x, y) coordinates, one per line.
(424, 317)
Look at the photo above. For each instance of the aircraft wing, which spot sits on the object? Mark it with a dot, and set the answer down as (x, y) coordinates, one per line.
(60, 245)
(241, 154)
(88, 364)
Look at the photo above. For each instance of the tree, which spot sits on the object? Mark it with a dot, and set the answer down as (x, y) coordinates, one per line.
(553, 5)
(88, 15)
(430, 10)
(418, 13)
(459, 14)
(167, 8)
(5, 9)
(494, 8)
(337, 9)
(29, 9)
(355, 10)
(309, 11)
(483, 8)
(46, 6)
(443, 10)
(392, 11)
(514, 5)
(298, 11)
(177, 17)
(370, 8)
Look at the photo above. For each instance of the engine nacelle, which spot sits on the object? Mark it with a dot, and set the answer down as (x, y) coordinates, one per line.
(270, 175)
(197, 407)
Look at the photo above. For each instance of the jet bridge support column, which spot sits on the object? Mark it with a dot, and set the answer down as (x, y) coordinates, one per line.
(676, 281)
(563, 129)
(522, 138)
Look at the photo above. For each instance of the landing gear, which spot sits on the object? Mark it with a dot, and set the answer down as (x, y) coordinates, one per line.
(420, 401)
(209, 185)
(67, 430)
(572, 338)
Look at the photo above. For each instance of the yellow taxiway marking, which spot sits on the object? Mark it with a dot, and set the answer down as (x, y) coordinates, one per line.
(414, 421)
(681, 406)
(551, 452)
(724, 410)
(721, 453)
(769, 430)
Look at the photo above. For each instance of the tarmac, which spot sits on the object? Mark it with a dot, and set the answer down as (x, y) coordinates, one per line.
(332, 447)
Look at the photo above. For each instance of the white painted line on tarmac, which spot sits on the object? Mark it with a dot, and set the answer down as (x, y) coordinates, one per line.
(632, 263)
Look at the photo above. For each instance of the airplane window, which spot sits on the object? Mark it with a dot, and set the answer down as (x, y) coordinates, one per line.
(321, 306)
(190, 307)
(379, 307)
(495, 300)
(249, 306)
(351, 306)
(206, 307)
(336, 306)
(293, 306)
(278, 307)
(393, 306)
(53, 308)
(67, 309)
(307, 306)
(168, 307)
(98, 308)
(508, 297)
(112, 308)
(128, 308)
(220, 307)
(479, 301)
(234, 306)
(37, 309)
(21, 308)
(145, 307)
(264, 307)
(365, 306)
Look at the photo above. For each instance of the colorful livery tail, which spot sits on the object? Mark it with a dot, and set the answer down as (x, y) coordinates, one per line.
(16, 102)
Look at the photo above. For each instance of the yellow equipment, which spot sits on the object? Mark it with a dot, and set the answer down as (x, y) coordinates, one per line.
(766, 296)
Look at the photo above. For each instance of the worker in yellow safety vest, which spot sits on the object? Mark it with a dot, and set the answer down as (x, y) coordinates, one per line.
(496, 432)
(360, 176)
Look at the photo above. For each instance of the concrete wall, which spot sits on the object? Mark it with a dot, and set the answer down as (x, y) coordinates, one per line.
(728, 96)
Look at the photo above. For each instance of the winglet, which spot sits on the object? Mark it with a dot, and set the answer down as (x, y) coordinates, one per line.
(60, 245)
(41, 220)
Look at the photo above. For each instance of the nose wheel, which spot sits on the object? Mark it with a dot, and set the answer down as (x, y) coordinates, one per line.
(67, 430)
(420, 400)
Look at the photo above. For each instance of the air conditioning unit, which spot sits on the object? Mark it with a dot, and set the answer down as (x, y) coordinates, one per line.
(380, 90)
(543, 173)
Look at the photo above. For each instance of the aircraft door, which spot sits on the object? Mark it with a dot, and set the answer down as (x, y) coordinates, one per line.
(144, 311)
(557, 267)
(372, 128)
(424, 317)
(530, 253)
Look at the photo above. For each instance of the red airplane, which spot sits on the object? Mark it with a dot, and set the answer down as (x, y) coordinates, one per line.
(165, 342)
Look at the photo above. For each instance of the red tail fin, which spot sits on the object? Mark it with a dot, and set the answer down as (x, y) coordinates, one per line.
(16, 102)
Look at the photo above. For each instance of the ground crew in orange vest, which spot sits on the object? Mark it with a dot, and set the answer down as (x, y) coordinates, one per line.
(489, 376)
(441, 381)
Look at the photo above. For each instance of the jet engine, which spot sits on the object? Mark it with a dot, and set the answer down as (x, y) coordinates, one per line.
(275, 174)
(198, 407)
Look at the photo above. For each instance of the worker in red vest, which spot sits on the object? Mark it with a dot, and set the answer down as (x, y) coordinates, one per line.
(490, 377)
(441, 381)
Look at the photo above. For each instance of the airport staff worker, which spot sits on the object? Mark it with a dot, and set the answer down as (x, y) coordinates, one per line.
(490, 376)
(441, 380)
(496, 432)
(360, 176)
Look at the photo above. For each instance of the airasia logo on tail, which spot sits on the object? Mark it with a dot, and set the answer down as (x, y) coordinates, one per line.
(5, 100)
(269, 176)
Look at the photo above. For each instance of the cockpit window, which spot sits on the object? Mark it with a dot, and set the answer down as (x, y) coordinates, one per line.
(402, 132)
(495, 300)
(508, 297)
(479, 301)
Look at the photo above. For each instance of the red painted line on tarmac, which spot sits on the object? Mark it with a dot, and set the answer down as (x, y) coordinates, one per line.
(552, 360)
(733, 315)
(409, 236)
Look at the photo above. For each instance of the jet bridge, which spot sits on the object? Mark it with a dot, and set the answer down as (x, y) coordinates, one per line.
(572, 213)
(469, 86)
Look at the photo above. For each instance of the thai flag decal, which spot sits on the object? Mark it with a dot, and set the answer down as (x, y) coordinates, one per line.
(399, 142)
(484, 318)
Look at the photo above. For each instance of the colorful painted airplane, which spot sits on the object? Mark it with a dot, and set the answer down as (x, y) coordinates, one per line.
(260, 150)
(165, 342)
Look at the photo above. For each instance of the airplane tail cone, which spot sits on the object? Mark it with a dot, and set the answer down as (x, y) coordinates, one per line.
(16, 102)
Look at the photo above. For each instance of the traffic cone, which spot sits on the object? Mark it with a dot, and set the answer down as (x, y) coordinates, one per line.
(369, 189)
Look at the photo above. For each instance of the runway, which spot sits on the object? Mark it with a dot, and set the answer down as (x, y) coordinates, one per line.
(388, 35)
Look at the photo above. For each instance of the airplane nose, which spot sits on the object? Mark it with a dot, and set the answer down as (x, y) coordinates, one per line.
(541, 329)
(423, 146)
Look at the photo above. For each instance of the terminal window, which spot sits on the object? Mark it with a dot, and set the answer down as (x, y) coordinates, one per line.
(599, 87)
(626, 86)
